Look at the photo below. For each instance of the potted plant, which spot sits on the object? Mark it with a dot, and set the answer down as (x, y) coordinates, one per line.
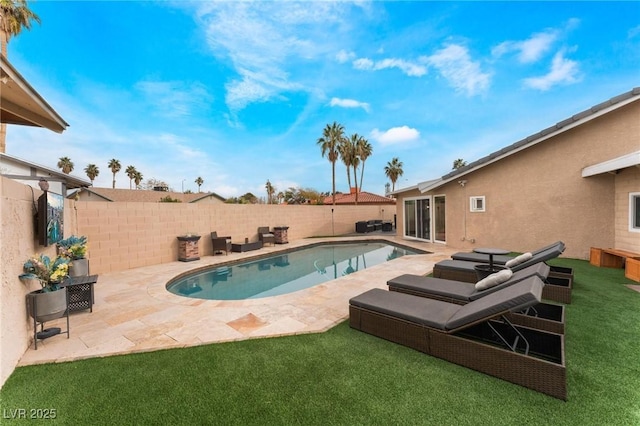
(49, 302)
(75, 249)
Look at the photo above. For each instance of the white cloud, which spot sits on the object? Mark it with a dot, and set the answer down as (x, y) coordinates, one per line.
(349, 103)
(344, 56)
(454, 64)
(395, 135)
(529, 50)
(563, 71)
(174, 98)
(265, 41)
(409, 68)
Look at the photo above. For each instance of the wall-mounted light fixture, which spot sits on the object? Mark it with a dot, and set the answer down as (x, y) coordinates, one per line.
(43, 184)
(462, 183)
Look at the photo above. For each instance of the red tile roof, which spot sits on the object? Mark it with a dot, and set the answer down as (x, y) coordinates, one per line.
(363, 198)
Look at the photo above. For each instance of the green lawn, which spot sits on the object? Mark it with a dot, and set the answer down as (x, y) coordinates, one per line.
(347, 377)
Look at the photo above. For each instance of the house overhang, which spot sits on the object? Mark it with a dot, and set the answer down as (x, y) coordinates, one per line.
(21, 104)
(613, 165)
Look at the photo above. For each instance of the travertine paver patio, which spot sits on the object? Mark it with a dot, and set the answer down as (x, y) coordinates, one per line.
(133, 311)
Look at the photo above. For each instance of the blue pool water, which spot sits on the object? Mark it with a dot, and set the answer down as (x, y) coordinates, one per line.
(284, 273)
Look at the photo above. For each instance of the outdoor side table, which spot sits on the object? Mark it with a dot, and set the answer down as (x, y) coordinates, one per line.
(281, 234)
(188, 248)
(484, 271)
(80, 292)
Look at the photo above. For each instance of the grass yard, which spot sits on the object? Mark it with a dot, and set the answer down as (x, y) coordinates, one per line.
(347, 377)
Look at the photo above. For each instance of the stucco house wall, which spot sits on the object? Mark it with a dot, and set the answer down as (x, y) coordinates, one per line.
(538, 195)
(18, 243)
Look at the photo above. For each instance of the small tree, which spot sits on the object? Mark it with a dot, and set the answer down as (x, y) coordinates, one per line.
(199, 182)
(459, 163)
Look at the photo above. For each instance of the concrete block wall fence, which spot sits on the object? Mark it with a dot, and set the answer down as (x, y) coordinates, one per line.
(129, 235)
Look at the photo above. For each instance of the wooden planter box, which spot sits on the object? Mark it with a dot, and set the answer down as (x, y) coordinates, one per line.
(632, 269)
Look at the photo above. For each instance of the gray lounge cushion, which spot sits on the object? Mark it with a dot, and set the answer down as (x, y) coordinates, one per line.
(515, 297)
(494, 279)
(428, 312)
(459, 290)
(450, 316)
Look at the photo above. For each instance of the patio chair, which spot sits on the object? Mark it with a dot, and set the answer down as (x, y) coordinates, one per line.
(543, 316)
(266, 236)
(477, 335)
(220, 244)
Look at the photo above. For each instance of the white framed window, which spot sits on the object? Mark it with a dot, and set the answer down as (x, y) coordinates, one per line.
(634, 212)
(477, 204)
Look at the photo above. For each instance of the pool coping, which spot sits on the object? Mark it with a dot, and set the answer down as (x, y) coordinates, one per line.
(134, 312)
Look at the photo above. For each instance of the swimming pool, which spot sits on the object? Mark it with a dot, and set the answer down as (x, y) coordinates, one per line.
(285, 273)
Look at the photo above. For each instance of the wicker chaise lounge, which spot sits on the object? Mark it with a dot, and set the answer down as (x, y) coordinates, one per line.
(558, 288)
(470, 335)
(556, 271)
(543, 316)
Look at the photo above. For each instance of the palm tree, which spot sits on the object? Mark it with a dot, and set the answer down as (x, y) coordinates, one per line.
(137, 178)
(14, 16)
(393, 170)
(92, 172)
(66, 165)
(131, 172)
(115, 167)
(199, 181)
(332, 135)
(355, 161)
(459, 163)
(270, 191)
(347, 151)
(364, 150)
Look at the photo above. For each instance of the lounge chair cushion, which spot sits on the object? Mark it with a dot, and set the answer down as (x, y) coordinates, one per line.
(427, 312)
(518, 260)
(519, 296)
(494, 279)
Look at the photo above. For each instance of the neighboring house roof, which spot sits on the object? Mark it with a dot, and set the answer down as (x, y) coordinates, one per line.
(9, 164)
(21, 104)
(141, 195)
(363, 198)
(560, 127)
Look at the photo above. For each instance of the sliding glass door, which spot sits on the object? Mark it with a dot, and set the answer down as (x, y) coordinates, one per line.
(417, 218)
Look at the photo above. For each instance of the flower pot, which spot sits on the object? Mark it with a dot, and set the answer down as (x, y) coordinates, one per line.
(47, 305)
(79, 267)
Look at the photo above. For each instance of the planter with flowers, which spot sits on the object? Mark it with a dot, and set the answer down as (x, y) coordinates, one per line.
(50, 301)
(75, 249)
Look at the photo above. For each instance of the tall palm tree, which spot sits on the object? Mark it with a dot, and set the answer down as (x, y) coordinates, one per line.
(131, 172)
(346, 151)
(199, 181)
(328, 142)
(270, 191)
(14, 16)
(355, 161)
(115, 167)
(66, 165)
(92, 172)
(364, 150)
(393, 170)
(137, 178)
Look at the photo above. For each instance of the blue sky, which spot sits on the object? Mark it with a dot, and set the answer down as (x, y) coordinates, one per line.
(239, 92)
